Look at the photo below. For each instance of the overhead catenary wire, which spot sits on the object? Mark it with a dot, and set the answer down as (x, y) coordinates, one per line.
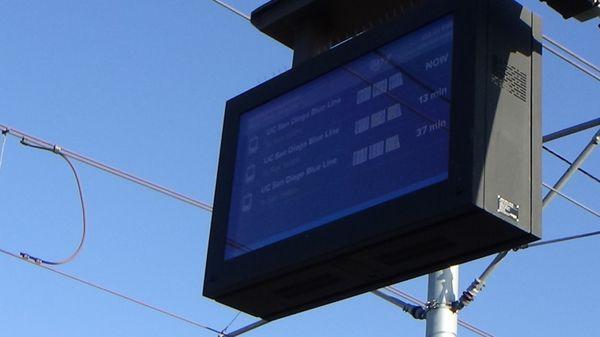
(232, 9)
(571, 200)
(112, 292)
(559, 156)
(571, 53)
(111, 170)
(581, 158)
(559, 240)
(57, 150)
(574, 64)
(584, 62)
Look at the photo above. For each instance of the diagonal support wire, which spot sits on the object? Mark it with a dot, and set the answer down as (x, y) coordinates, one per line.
(246, 328)
(570, 163)
(573, 168)
(573, 201)
(232, 9)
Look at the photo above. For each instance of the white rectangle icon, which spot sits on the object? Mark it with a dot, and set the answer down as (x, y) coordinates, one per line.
(392, 143)
(363, 95)
(376, 150)
(380, 88)
(378, 118)
(361, 125)
(396, 80)
(394, 111)
(360, 156)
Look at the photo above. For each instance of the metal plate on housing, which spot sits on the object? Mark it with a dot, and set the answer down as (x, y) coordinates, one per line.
(508, 208)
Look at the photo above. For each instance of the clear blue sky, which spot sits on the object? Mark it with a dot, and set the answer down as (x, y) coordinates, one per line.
(141, 85)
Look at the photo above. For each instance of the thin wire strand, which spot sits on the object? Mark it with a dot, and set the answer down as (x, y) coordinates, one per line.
(247, 328)
(571, 53)
(232, 9)
(545, 37)
(4, 136)
(83, 209)
(231, 322)
(563, 239)
(564, 58)
(557, 155)
(112, 292)
(573, 201)
(111, 170)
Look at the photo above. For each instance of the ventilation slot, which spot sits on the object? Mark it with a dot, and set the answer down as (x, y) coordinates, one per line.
(509, 78)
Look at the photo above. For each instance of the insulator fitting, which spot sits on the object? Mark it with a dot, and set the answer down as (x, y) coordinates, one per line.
(416, 311)
(468, 296)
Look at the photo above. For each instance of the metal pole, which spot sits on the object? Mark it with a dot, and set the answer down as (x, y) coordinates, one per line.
(442, 321)
(576, 165)
(571, 130)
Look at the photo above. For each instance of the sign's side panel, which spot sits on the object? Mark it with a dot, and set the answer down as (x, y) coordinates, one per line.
(509, 123)
(536, 127)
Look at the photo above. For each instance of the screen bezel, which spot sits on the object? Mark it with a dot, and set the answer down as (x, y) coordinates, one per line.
(401, 215)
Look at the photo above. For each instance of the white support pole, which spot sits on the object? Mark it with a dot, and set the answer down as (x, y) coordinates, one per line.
(442, 292)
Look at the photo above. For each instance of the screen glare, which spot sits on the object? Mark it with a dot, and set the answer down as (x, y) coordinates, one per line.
(370, 131)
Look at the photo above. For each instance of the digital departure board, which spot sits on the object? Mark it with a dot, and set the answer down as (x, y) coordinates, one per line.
(367, 132)
(411, 147)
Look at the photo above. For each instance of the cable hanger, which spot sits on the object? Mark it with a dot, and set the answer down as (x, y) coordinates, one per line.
(4, 136)
(58, 150)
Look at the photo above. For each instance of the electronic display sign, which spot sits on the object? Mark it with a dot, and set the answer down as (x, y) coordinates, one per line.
(411, 147)
(367, 132)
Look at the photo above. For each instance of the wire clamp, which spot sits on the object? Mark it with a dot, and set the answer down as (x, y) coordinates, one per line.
(56, 149)
(417, 312)
(30, 258)
(468, 296)
(432, 305)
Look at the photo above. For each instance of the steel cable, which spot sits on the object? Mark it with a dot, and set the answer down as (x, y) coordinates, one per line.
(57, 150)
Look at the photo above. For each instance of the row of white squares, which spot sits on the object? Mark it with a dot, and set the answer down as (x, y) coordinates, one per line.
(378, 118)
(375, 150)
(379, 88)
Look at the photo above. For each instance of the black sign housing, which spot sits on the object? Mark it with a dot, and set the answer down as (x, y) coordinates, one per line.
(489, 201)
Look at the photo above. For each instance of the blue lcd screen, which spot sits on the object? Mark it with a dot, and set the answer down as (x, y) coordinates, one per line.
(367, 132)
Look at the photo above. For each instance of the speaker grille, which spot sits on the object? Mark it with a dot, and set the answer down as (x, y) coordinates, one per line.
(509, 78)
